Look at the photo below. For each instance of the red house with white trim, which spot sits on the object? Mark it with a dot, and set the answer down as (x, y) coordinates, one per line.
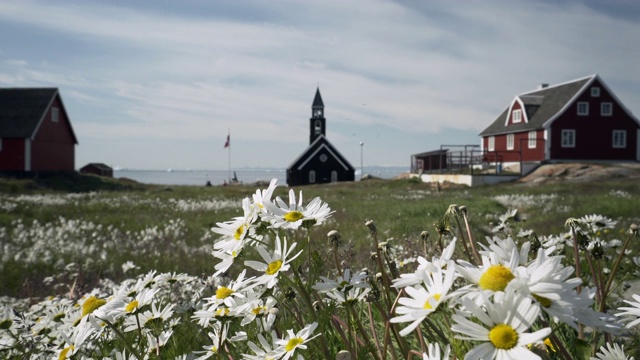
(579, 120)
(35, 131)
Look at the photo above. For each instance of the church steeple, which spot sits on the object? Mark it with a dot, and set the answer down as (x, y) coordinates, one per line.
(317, 121)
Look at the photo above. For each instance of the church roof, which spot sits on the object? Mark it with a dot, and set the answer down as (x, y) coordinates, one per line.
(317, 100)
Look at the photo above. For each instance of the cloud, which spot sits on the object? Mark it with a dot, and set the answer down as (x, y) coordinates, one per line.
(162, 72)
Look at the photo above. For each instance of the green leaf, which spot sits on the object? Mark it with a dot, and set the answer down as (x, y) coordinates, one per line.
(583, 349)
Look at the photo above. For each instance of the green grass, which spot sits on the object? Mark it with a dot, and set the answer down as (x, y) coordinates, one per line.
(401, 209)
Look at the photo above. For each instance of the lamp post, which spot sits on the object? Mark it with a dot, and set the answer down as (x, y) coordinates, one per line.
(361, 157)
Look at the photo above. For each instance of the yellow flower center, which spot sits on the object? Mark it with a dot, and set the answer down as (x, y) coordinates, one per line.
(503, 336)
(222, 311)
(427, 305)
(63, 353)
(214, 349)
(291, 344)
(549, 344)
(131, 306)
(91, 304)
(273, 267)
(239, 232)
(542, 300)
(258, 310)
(223, 292)
(496, 278)
(293, 216)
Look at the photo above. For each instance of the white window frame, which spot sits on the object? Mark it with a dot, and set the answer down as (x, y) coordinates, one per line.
(568, 138)
(55, 114)
(619, 139)
(516, 116)
(583, 108)
(605, 105)
(491, 143)
(533, 138)
(510, 141)
(312, 176)
(595, 91)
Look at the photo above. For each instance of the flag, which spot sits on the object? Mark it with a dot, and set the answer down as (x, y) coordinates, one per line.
(228, 143)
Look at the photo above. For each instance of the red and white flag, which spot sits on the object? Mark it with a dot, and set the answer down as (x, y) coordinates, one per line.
(228, 143)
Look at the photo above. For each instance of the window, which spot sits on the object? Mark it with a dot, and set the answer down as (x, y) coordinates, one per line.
(312, 176)
(510, 142)
(595, 91)
(606, 109)
(491, 143)
(619, 139)
(318, 127)
(334, 176)
(517, 116)
(532, 139)
(583, 108)
(568, 138)
(55, 114)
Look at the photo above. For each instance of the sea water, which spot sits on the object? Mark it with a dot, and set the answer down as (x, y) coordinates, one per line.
(245, 175)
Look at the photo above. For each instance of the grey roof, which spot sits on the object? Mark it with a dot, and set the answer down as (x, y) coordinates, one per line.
(317, 100)
(22, 109)
(433, 152)
(540, 105)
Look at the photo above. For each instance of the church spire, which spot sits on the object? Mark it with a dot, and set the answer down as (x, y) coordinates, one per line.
(317, 121)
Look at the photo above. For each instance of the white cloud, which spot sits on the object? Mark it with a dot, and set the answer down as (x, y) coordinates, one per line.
(152, 74)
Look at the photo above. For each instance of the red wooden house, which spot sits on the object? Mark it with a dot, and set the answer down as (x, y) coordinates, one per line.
(579, 120)
(35, 131)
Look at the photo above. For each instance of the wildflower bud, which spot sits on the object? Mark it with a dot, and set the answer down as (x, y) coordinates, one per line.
(317, 305)
(343, 355)
(463, 209)
(373, 256)
(365, 270)
(371, 226)
(633, 229)
(345, 264)
(290, 294)
(379, 276)
(424, 235)
(334, 238)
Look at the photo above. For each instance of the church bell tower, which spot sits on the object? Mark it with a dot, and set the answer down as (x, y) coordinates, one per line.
(317, 123)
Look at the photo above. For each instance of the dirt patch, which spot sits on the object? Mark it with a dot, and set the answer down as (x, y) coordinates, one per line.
(581, 172)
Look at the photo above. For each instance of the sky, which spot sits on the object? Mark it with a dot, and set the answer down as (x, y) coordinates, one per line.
(159, 84)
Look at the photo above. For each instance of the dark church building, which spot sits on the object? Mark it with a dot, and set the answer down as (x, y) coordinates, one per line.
(320, 162)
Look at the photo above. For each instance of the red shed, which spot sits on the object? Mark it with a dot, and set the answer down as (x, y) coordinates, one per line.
(35, 131)
(577, 120)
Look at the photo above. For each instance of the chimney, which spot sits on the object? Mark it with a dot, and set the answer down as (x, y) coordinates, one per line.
(543, 86)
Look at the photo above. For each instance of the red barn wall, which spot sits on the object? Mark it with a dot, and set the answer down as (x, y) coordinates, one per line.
(12, 155)
(53, 148)
(593, 132)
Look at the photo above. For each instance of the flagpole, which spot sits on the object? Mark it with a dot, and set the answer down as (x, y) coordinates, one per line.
(229, 141)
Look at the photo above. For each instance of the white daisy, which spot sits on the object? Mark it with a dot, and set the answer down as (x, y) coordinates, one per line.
(273, 264)
(426, 265)
(494, 274)
(292, 216)
(235, 232)
(506, 320)
(266, 350)
(264, 196)
(433, 352)
(611, 352)
(347, 289)
(634, 310)
(424, 299)
(294, 341)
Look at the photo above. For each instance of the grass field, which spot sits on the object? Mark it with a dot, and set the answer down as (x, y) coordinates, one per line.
(65, 236)
(167, 228)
